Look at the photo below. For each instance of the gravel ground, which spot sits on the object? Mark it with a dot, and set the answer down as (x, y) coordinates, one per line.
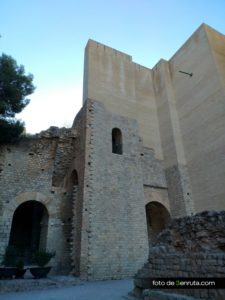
(99, 290)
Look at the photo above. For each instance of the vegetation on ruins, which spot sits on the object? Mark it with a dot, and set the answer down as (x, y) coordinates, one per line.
(15, 86)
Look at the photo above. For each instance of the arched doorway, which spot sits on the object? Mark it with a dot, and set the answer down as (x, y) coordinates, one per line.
(29, 228)
(157, 218)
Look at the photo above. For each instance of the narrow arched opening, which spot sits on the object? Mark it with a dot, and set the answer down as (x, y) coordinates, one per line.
(157, 219)
(29, 228)
(67, 212)
(117, 145)
(74, 178)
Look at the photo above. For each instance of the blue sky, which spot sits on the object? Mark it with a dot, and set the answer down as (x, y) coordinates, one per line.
(49, 36)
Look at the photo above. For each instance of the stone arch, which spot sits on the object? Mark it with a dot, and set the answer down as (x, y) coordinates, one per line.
(10, 208)
(29, 228)
(157, 216)
(27, 196)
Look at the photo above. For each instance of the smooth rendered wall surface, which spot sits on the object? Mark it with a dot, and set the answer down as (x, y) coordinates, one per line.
(217, 43)
(174, 162)
(200, 103)
(124, 87)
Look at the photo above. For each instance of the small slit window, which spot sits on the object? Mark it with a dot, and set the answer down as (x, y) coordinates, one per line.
(117, 146)
(74, 177)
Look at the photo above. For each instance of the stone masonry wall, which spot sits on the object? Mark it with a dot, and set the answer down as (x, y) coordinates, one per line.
(114, 220)
(78, 164)
(26, 174)
(152, 170)
(189, 247)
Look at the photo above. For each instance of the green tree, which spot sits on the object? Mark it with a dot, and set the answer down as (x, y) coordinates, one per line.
(15, 86)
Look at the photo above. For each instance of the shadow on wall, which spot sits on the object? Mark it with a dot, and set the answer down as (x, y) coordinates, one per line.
(29, 228)
(158, 218)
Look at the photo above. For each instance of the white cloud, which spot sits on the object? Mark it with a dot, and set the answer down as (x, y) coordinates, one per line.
(52, 107)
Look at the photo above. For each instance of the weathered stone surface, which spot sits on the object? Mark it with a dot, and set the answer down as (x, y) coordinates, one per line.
(201, 233)
(189, 247)
(36, 169)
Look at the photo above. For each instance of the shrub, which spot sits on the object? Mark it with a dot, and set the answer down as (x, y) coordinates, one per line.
(20, 264)
(10, 257)
(42, 257)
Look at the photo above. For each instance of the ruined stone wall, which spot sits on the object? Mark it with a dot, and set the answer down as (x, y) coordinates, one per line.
(28, 170)
(189, 247)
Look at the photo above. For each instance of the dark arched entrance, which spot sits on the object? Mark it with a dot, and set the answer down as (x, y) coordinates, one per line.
(29, 228)
(157, 218)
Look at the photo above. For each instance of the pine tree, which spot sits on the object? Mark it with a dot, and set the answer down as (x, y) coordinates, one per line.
(15, 86)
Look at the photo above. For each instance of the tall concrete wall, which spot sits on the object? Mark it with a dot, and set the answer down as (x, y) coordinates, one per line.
(200, 105)
(216, 41)
(174, 162)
